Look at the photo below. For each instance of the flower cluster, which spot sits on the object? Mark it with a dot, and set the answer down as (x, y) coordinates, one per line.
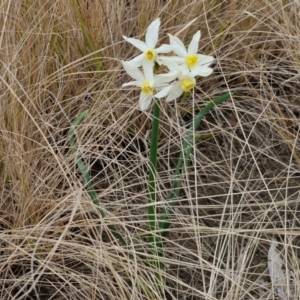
(183, 68)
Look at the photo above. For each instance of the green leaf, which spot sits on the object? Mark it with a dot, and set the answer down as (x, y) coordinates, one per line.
(183, 161)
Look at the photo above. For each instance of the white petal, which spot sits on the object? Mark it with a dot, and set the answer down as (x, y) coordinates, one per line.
(136, 43)
(145, 101)
(137, 61)
(201, 71)
(184, 70)
(165, 48)
(175, 59)
(133, 72)
(152, 34)
(180, 48)
(193, 47)
(172, 66)
(164, 92)
(205, 59)
(148, 70)
(175, 92)
(135, 83)
(163, 78)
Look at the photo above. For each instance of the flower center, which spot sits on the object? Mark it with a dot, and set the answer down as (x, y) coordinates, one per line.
(191, 60)
(147, 88)
(187, 84)
(150, 54)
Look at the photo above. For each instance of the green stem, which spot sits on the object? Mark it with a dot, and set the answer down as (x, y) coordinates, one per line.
(152, 174)
(154, 239)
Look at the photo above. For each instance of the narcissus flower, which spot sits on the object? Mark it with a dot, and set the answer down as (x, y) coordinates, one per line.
(150, 54)
(186, 80)
(185, 66)
(189, 58)
(148, 82)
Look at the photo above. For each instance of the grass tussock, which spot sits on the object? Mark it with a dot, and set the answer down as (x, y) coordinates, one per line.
(58, 58)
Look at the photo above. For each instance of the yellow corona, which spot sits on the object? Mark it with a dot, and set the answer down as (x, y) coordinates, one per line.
(187, 84)
(147, 88)
(191, 60)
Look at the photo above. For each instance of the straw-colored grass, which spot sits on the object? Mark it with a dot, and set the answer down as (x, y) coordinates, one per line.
(58, 58)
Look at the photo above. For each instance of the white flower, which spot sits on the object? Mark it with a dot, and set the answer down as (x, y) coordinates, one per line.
(186, 80)
(148, 82)
(150, 54)
(189, 57)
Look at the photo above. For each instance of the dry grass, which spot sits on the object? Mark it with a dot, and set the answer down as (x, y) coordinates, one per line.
(61, 57)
